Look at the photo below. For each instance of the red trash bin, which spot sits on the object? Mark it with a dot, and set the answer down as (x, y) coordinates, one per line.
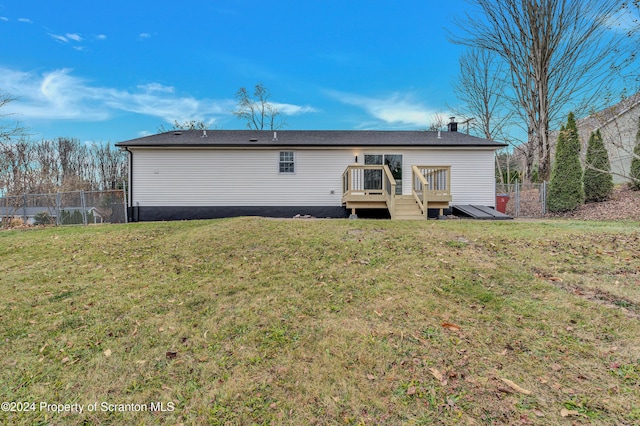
(501, 202)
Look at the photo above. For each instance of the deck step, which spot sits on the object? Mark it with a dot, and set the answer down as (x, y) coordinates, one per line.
(406, 208)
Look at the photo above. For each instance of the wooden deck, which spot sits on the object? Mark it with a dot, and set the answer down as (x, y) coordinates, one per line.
(373, 187)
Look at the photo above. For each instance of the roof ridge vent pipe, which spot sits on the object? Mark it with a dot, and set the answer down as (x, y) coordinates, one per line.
(204, 133)
(439, 135)
(275, 136)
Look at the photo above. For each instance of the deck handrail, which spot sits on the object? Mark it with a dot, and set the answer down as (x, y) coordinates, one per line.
(390, 188)
(431, 183)
(419, 182)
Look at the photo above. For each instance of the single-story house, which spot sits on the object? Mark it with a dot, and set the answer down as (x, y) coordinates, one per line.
(28, 215)
(198, 174)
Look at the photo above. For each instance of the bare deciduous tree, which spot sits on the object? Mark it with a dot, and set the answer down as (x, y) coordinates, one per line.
(13, 154)
(185, 125)
(111, 166)
(481, 87)
(8, 130)
(59, 165)
(257, 111)
(438, 122)
(557, 52)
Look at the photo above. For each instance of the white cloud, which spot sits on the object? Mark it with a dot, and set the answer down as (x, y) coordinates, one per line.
(4, 18)
(74, 37)
(289, 109)
(59, 95)
(25, 20)
(67, 38)
(156, 87)
(144, 36)
(59, 38)
(395, 109)
(101, 37)
(54, 95)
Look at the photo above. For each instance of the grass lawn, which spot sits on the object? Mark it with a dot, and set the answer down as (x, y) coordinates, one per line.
(262, 321)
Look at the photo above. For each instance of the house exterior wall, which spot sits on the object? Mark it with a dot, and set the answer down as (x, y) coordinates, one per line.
(215, 177)
(472, 172)
(619, 136)
(250, 177)
(618, 125)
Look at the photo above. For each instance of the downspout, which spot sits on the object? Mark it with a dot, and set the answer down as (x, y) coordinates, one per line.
(133, 217)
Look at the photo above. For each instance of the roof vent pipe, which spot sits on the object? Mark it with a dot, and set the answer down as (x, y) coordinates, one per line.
(439, 135)
(204, 133)
(275, 136)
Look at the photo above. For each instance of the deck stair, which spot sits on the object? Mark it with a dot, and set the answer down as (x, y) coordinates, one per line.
(406, 208)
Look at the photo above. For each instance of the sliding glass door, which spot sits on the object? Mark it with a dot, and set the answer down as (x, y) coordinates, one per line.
(373, 178)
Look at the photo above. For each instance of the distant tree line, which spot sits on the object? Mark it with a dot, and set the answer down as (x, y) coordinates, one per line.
(59, 165)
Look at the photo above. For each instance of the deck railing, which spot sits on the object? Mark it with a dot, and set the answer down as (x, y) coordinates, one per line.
(431, 184)
(368, 183)
(390, 188)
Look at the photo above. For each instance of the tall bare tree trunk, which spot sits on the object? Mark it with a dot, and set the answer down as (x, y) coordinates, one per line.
(558, 53)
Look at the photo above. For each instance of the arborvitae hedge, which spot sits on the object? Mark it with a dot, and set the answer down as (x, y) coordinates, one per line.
(565, 189)
(598, 182)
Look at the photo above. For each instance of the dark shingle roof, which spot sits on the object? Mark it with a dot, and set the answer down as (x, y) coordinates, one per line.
(310, 138)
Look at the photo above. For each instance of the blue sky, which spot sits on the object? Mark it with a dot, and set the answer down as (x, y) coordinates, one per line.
(112, 70)
(116, 70)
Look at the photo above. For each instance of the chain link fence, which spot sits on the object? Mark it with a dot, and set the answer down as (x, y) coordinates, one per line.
(64, 208)
(525, 199)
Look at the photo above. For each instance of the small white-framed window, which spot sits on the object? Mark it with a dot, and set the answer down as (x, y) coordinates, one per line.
(287, 162)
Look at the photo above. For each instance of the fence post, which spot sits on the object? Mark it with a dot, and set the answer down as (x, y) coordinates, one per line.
(544, 198)
(125, 200)
(58, 218)
(84, 208)
(24, 208)
(514, 195)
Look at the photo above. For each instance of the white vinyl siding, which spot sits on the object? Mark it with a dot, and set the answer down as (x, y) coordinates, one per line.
(201, 177)
(472, 173)
(251, 177)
